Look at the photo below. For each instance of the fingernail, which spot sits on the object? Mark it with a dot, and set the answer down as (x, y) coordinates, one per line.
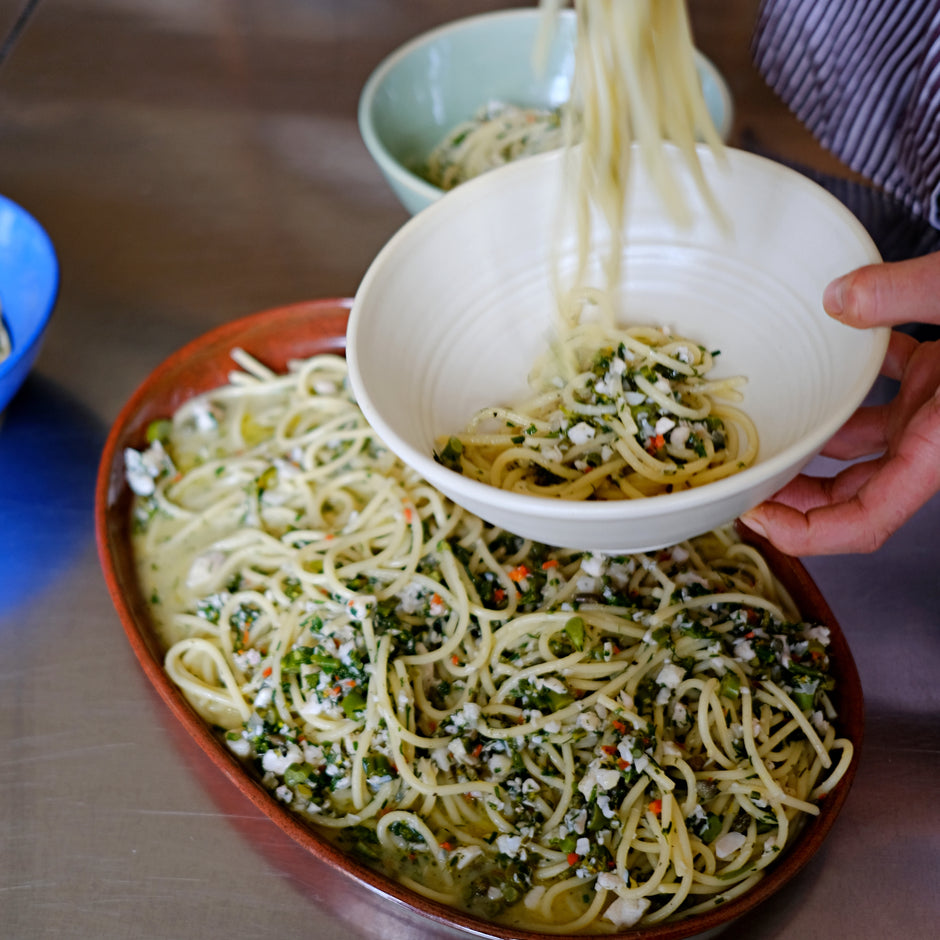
(752, 520)
(833, 297)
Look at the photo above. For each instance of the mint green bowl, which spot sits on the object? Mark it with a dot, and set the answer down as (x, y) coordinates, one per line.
(444, 76)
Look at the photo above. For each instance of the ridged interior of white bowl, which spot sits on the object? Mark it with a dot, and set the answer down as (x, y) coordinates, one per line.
(457, 306)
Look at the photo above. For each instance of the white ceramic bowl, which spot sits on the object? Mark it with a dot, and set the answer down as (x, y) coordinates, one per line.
(442, 77)
(457, 306)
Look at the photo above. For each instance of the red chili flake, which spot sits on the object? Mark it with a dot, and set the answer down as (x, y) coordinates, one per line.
(609, 749)
(551, 563)
(267, 671)
(519, 573)
(620, 726)
(573, 858)
(656, 806)
(623, 764)
(499, 595)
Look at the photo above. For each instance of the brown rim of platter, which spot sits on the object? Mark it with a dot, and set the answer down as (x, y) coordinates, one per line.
(298, 331)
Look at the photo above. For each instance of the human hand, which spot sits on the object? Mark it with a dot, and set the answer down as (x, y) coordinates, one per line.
(859, 508)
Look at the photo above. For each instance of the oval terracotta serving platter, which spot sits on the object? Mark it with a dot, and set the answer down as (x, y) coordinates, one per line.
(275, 337)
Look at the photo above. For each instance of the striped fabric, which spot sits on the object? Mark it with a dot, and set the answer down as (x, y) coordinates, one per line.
(864, 77)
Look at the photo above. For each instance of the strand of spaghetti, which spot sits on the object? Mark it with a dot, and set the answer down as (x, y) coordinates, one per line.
(589, 916)
(838, 772)
(413, 822)
(571, 661)
(774, 791)
(566, 789)
(708, 703)
(731, 597)
(197, 687)
(787, 702)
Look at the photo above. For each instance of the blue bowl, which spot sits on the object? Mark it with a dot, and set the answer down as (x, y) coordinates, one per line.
(444, 76)
(29, 283)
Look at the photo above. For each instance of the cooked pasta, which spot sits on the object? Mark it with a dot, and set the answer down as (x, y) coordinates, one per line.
(615, 413)
(497, 134)
(636, 91)
(559, 740)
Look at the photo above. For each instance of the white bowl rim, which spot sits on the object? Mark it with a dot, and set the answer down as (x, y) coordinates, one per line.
(794, 456)
(430, 192)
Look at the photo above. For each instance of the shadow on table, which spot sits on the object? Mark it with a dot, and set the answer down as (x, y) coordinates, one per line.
(49, 451)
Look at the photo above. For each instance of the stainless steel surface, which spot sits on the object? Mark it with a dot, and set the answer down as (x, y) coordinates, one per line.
(194, 162)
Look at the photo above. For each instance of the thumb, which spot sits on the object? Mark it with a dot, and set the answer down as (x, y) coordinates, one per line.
(887, 294)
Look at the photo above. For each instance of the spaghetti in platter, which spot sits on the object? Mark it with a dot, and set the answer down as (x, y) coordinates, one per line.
(560, 741)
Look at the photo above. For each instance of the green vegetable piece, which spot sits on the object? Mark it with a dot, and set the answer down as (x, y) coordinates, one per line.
(159, 430)
(267, 479)
(730, 685)
(574, 629)
(353, 703)
(377, 765)
(298, 774)
(559, 700)
(804, 700)
(450, 455)
(711, 829)
(597, 821)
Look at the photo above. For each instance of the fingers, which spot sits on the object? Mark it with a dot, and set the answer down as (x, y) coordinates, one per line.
(805, 492)
(887, 294)
(828, 530)
(860, 523)
(857, 510)
(901, 348)
(917, 366)
(866, 432)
